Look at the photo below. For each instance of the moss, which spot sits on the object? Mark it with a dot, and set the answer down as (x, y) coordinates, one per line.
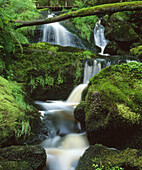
(109, 157)
(16, 165)
(137, 51)
(113, 105)
(43, 67)
(25, 156)
(16, 116)
(122, 32)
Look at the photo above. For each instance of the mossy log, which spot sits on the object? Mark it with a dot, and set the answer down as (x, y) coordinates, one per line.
(96, 10)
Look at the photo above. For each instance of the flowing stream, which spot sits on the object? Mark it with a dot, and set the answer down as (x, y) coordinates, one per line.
(66, 142)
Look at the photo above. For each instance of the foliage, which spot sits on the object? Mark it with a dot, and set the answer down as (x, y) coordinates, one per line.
(85, 25)
(11, 10)
(107, 167)
(15, 114)
(44, 66)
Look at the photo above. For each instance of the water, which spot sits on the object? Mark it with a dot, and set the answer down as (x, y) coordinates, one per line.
(66, 142)
(55, 33)
(99, 37)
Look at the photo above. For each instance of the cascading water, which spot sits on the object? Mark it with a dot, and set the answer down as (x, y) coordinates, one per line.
(65, 142)
(99, 37)
(55, 33)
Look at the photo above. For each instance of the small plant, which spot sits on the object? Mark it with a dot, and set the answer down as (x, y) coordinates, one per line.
(106, 166)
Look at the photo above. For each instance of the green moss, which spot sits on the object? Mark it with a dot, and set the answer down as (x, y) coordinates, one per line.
(137, 51)
(44, 66)
(33, 157)
(113, 104)
(16, 165)
(110, 158)
(15, 114)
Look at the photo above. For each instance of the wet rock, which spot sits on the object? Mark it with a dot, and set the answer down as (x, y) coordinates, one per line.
(79, 114)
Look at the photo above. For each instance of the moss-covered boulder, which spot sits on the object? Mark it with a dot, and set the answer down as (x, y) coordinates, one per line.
(122, 32)
(122, 29)
(137, 51)
(111, 48)
(46, 69)
(22, 157)
(16, 165)
(101, 157)
(114, 106)
(17, 117)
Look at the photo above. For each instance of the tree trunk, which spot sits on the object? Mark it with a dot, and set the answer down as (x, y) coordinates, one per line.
(96, 10)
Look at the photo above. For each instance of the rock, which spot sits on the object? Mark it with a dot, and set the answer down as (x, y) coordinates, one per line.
(111, 48)
(121, 31)
(101, 157)
(15, 165)
(137, 51)
(23, 156)
(79, 114)
(113, 106)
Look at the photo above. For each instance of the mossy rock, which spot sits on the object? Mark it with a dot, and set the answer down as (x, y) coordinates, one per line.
(111, 48)
(79, 114)
(15, 165)
(17, 117)
(32, 156)
(137, 51)
(121, 31)
(45, 68)
(114, 106)
(101, 157)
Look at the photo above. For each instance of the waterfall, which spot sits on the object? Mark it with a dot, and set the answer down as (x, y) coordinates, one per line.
(55, 33)
(99, 37)
(90, 71)
(65, 142)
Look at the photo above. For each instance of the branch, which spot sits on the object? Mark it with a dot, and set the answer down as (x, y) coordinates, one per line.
(96, 10)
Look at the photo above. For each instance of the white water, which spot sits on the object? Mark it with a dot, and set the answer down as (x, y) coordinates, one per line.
(90, 71)
(99, 37)
(65, 143)
(63, 153)
(55, 33)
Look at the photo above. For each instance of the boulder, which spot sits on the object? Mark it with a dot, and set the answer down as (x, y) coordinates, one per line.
(16, 165)
(79, 114)
(101, 157)
(113, 106)
(30, 157)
